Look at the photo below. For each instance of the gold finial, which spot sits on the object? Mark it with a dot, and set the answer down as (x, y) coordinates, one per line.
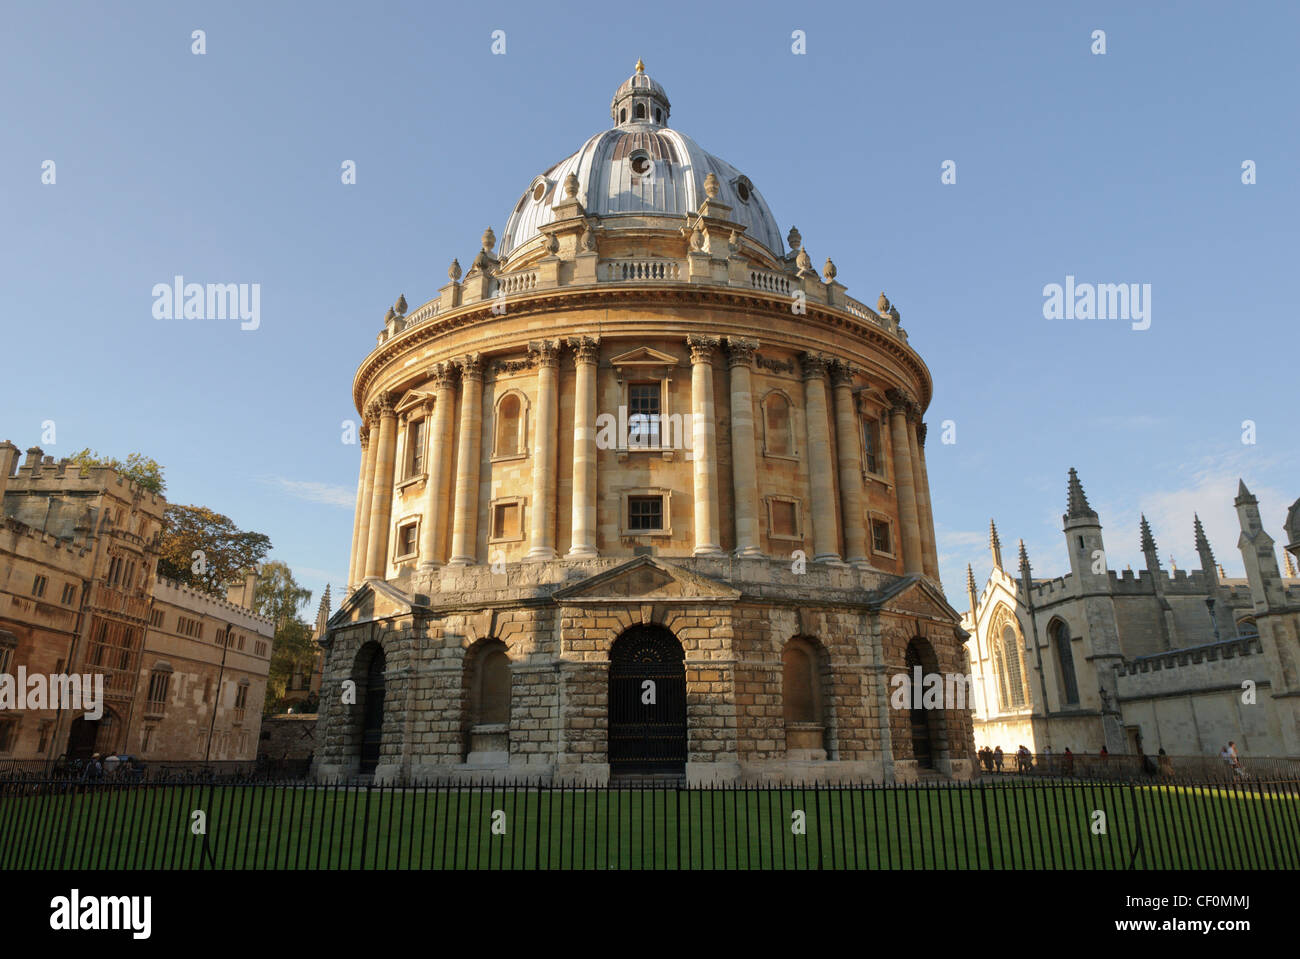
(640, 67)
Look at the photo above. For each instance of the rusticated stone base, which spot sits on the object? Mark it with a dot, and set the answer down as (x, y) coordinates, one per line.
(734, 621)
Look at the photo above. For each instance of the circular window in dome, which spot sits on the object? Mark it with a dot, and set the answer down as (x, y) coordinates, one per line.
(539, 191)
(641, 163)
(744, 189)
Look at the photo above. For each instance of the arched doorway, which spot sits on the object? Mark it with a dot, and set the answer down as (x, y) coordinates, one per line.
(647, 704)
(89, 736)
(922, 746)
(372, 722)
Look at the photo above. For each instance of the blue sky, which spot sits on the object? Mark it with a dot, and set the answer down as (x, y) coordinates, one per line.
(225, 167)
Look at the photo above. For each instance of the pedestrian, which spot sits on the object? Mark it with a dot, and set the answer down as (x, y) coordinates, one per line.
(1235, 761)
(1104, 752)
(1166, 764)
(1047, 759)
(1068, 762)
(997, 758)
(986, 758)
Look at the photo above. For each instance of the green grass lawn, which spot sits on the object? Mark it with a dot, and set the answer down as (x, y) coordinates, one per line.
(324, 827)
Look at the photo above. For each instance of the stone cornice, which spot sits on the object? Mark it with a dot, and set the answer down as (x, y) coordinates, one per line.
(744, 302)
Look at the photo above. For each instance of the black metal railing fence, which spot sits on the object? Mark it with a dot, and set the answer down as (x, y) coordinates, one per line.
(71, 824)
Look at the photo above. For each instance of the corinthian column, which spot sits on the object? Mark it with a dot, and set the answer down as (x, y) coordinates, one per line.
(744, 458)
(905, 481)
(929, 547)
(847, 444)
(546, 354)
(381, 501)
(704, 442)
(583, 535)
(821, 470)
(464, 536)
(361, 519)
(439, 467)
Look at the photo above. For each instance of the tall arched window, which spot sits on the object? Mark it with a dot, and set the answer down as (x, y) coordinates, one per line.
(487, 713)
(778, 426)
(1010, 679)
(1060, 634)
(509, 434)
(801, 693)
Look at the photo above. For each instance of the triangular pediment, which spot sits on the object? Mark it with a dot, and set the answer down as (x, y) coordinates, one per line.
(918, 596)
(413, 399)
(373, 599)
(641, 358)
(646, 578)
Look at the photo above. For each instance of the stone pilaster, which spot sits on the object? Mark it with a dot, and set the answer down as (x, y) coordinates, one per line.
(586, 351)
(361, 519)
(929, 545)
(464, 534)
(905, 482)
(848, 446)
(744, 455)
(821, 470)
(546, 354)
(439, 466)
(381, 501)
(704, 441)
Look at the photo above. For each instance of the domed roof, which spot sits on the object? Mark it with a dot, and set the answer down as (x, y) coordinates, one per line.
(641, 166)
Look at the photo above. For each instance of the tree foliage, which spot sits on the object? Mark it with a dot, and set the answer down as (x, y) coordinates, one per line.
(205, 549)
(142, 470)
(281, 599)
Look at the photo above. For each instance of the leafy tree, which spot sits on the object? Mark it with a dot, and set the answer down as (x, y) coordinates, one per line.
(224, 550)
(140, 469)
(280, 599)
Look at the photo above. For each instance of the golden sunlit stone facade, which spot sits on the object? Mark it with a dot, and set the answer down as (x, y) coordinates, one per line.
(643, 442)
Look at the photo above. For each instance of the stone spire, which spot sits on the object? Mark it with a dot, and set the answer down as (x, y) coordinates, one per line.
(1024, 559)
(995, 545)
(1257, 554)
(1288, 565)
(970, 589)
(1148, 546)
(323, 612)
(1203, 550)
(1077, 502)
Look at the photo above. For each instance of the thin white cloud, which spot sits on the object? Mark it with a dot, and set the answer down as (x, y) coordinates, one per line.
(314, 492)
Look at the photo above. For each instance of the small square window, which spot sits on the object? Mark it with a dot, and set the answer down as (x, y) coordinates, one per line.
(880, 538)
(645, 513)
(506, 521)
(406, 545)
(784, 518)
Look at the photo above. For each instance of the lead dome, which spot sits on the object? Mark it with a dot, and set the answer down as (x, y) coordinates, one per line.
(640, 167)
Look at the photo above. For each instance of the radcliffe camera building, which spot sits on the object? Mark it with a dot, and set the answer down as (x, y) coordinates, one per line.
(641, 493)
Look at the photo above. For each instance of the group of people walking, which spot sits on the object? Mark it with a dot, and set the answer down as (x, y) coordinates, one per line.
(992, 760)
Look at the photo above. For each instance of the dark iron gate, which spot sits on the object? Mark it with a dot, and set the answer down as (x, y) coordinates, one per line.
(920, 718)
(372, 728)
(647, 704)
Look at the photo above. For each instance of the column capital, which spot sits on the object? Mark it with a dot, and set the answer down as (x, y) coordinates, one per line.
(813, 365)
(740, 352)
(900, 400)
(544, 352)
(471, 366)
(443, 375)
(363, 436)
(702, 347)
(841, 372)
(586, 349)
(920, 433)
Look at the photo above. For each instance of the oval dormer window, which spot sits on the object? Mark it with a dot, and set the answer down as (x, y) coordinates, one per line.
(641, 164)
(744, 189)
(539, 191)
